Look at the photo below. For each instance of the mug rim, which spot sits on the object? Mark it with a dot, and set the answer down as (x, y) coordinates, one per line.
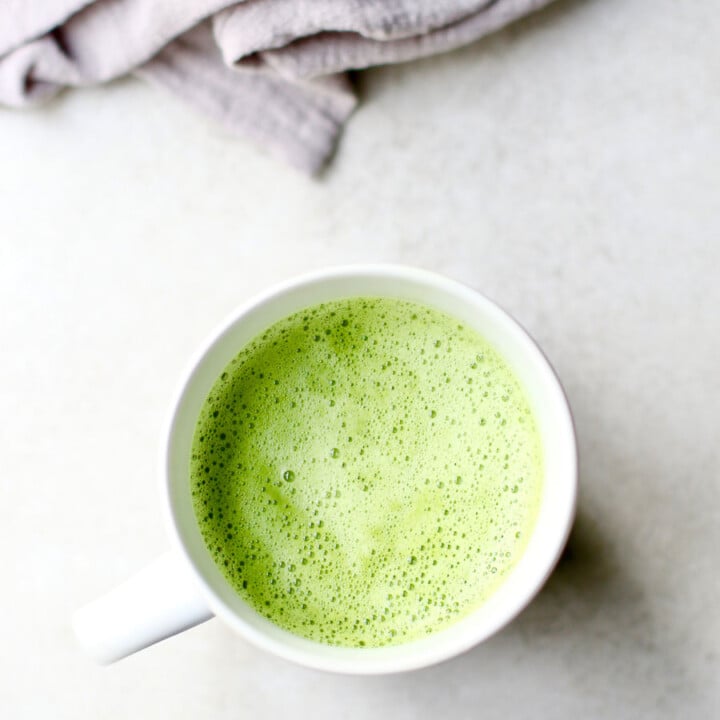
(396, 658)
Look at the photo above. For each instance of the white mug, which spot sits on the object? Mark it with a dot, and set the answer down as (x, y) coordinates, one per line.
(184, 587)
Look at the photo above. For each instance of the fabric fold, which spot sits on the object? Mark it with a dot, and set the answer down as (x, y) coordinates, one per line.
(270, 70)
(297, 122)
(24, 20)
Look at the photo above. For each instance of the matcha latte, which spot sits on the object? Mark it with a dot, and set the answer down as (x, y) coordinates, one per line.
(366, 472)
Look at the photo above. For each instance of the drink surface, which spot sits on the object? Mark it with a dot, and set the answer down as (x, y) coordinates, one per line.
(366, 472)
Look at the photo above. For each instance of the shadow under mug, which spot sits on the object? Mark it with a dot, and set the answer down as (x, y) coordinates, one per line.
(184, 587)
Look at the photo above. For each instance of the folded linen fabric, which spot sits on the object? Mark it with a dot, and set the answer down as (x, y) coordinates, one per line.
(270, 70)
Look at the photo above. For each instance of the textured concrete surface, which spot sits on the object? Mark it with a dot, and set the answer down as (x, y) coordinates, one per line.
(569, 168)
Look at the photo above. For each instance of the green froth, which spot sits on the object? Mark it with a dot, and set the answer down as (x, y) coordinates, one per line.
(366, 472)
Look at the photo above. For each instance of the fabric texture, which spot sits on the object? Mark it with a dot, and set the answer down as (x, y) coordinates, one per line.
(273, 71)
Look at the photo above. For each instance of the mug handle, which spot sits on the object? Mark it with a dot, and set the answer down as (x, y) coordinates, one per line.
(159, 601)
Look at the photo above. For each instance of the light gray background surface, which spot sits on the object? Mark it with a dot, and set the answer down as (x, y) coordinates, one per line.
(568, 167)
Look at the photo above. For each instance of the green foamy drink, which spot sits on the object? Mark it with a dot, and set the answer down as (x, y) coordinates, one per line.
(366, 472)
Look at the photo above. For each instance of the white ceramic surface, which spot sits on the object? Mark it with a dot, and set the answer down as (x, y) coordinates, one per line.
(569, 168)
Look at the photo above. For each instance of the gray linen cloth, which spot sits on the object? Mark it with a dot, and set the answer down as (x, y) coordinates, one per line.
(270, 70)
